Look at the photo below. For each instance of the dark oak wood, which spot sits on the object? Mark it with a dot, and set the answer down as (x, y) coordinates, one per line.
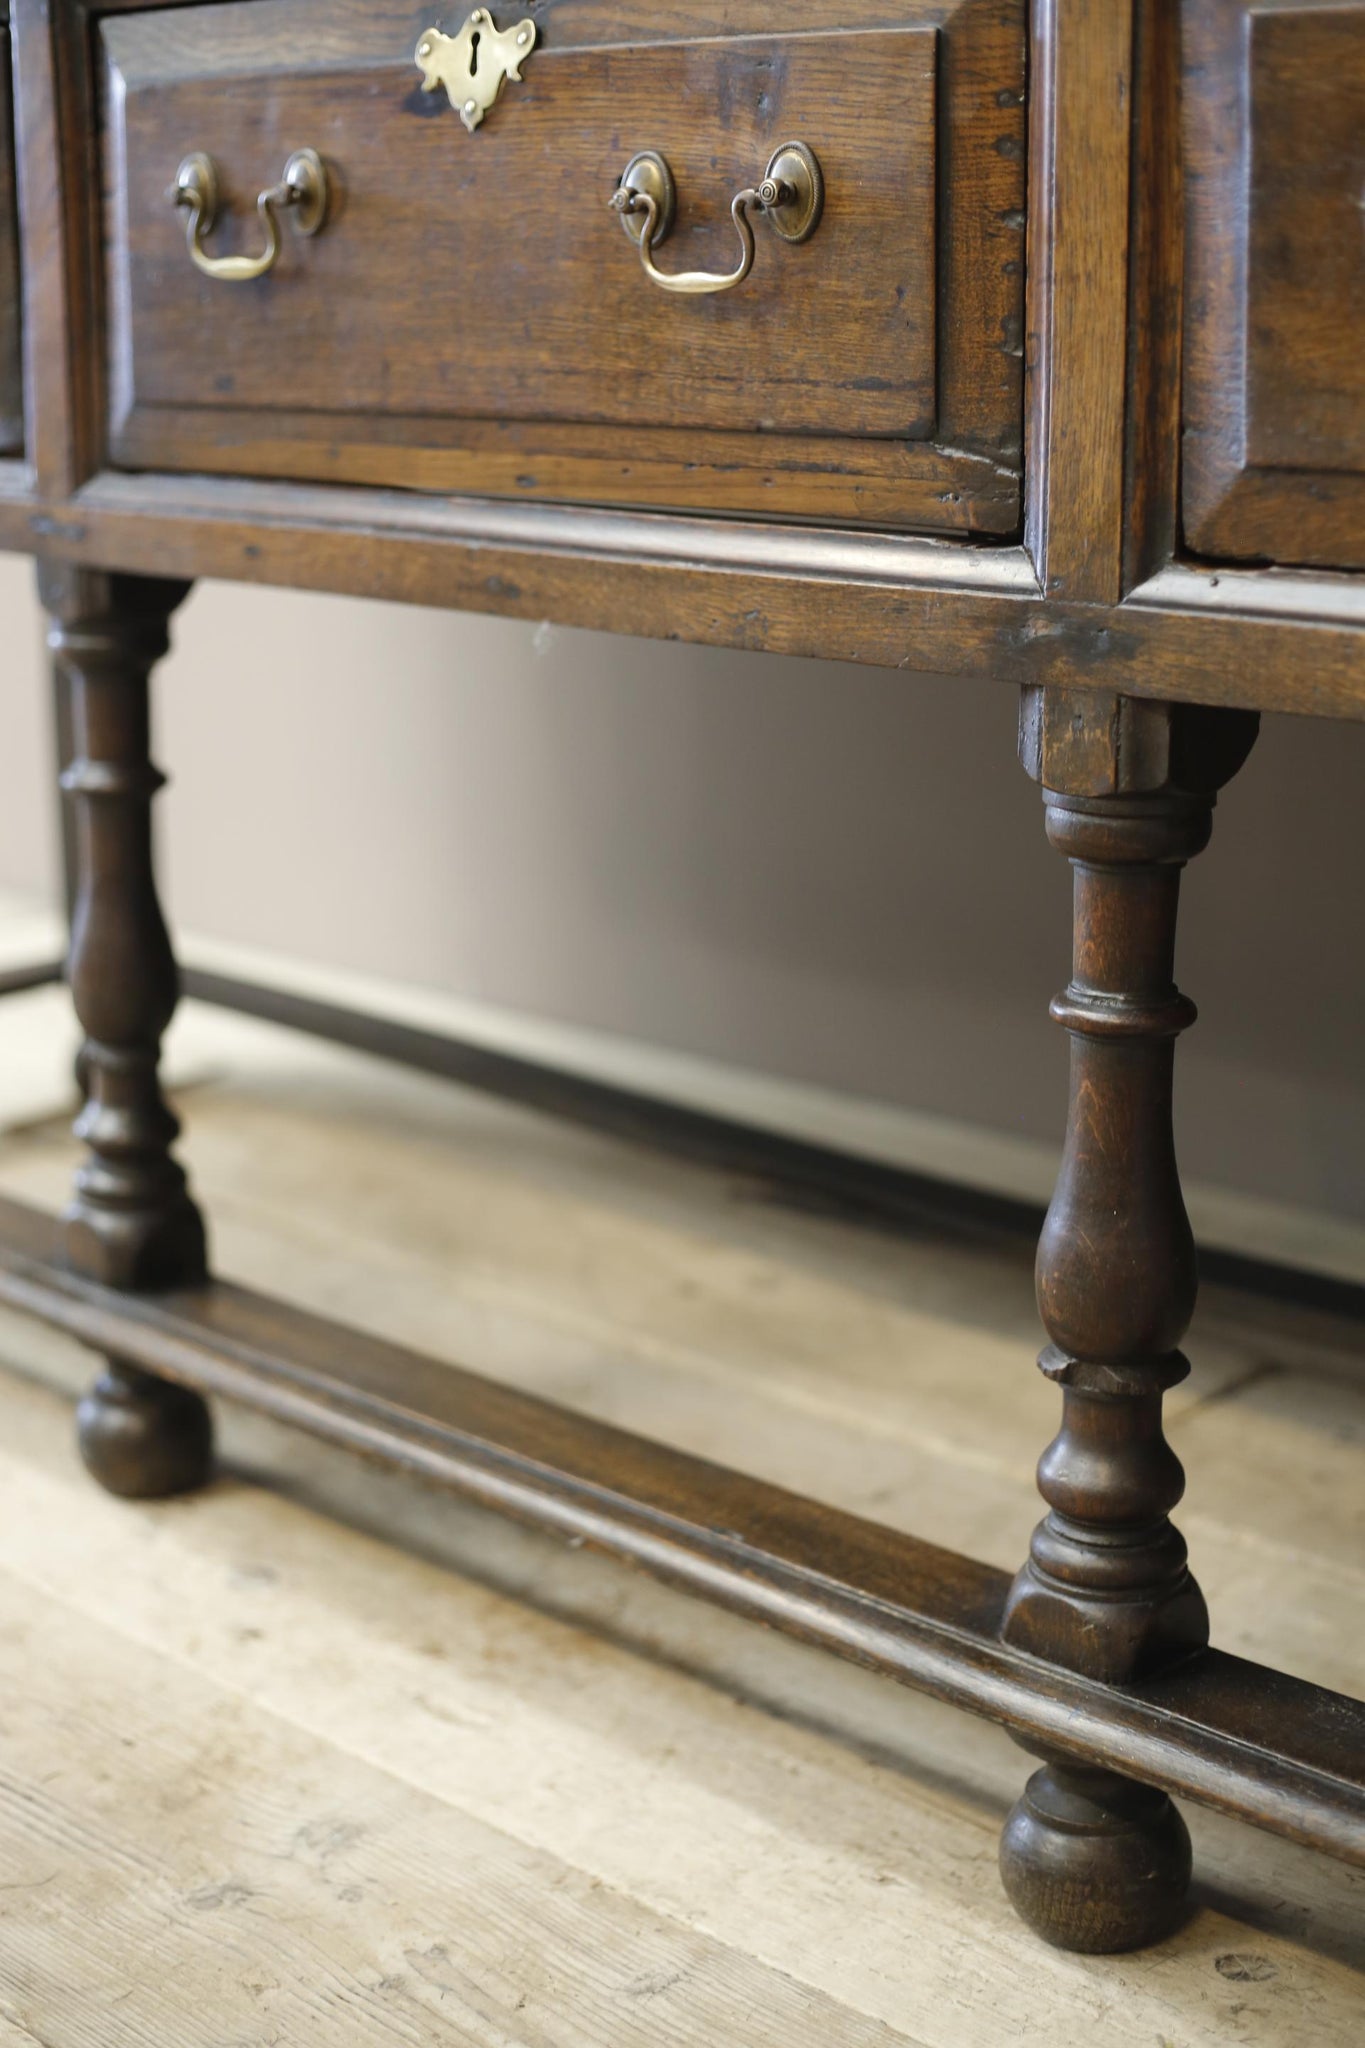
(873, 483)
(131, 1222)
(1078, 233)
(826, 463)
(1272, 1750)
(142, 1437)
(1262, 643)
(1275, 386)
(1095, 1862)
(1129, 789)
(15, 981)
(872, 374)
(1156, 267)
(58, 195)
(1272, 644)
(11, 305)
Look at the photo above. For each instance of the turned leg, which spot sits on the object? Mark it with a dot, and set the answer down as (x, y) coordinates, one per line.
(1091, 1860)
(131, 1222)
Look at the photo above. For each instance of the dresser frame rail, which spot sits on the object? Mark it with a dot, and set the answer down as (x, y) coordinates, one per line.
(19, 980)
(1245, 1740)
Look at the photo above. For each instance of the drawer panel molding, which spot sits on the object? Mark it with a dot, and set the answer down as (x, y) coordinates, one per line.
(1274, 440)
(466, 321)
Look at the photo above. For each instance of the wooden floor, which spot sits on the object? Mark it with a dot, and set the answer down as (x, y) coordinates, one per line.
(318, 1758)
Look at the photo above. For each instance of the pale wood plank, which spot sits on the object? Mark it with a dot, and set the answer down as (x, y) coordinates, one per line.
(870, 1879)
(1276, 1520)
(1283, 1462)
(178, 1867)
(529, 1221)
(598, 1276)
(652, 1295)
(983, 1506)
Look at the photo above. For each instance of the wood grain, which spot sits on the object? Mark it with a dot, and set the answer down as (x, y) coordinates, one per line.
(237, 1864)
(11, 309)
(454, 331)
(846, 1838)
(906, 604)
(1259, 642)
(269, 1657)
(1275, 390)
(1252, 1743)
(872, 483)
(1078, 259)
(1156, 269)
(58, 204)
(844, 339)
(1092, 1861)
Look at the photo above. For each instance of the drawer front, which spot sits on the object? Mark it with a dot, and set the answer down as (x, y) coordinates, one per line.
(473, 316)
(11, 360)
(1275, 379)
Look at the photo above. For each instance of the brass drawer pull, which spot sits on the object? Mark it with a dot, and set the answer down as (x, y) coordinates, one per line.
(303, 189)
(791, 197)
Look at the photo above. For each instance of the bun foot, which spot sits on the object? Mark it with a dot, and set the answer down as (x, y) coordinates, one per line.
(144, 1438)
(1094, 1862)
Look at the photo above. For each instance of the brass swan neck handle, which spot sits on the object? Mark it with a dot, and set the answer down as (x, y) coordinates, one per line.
(302, 190)
(790, 197)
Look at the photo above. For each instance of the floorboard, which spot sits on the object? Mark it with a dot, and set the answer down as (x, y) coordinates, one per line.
(618, 1816)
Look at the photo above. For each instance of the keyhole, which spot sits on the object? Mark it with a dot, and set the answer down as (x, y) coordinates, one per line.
(474, 42)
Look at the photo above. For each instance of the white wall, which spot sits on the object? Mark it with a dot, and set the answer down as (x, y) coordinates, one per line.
(819, 872)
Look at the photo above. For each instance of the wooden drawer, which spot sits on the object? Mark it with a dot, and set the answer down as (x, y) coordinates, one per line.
(11, 357)
(1275, 280)
(471, 317)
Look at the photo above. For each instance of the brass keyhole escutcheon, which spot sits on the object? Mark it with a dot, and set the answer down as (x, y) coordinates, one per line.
(475, 64)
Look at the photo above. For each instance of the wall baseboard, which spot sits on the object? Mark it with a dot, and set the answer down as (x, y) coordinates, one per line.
(995, 1165)
(1003, 1177)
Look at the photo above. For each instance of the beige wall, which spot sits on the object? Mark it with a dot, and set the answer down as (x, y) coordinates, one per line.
(822, 873)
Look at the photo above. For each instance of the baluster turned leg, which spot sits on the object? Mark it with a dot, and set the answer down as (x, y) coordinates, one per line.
(131, 1222)
(1091, 1860)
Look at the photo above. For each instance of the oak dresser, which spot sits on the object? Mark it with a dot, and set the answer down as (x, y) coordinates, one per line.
(1015, 342)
